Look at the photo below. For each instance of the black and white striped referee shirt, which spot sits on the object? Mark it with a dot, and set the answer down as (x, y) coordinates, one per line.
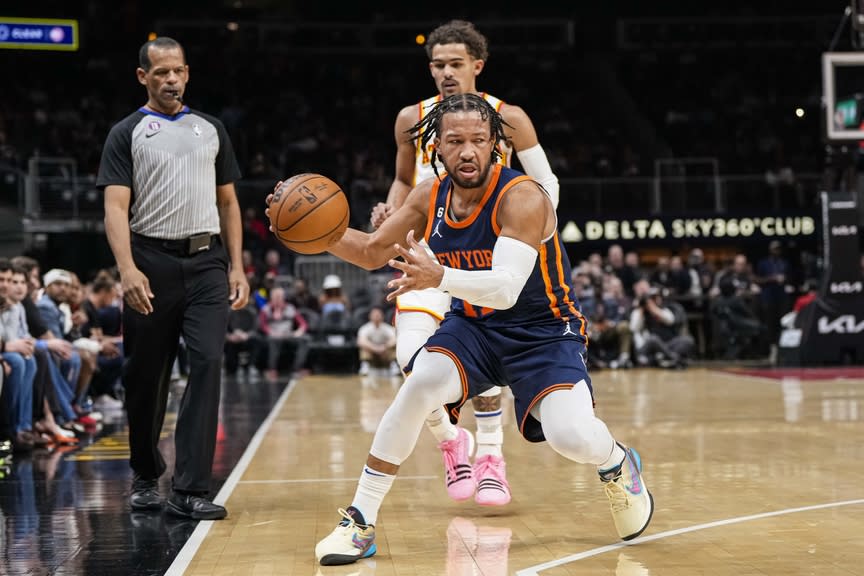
(173, 165)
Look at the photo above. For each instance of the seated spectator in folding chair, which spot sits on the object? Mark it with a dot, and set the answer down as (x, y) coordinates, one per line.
(243, 343)
(376, 341)
(19, 367)
(13, 324)
(106, 385)
(283, 326)
(610, 338)
(79, 367)
(659, 329)
(53, 349)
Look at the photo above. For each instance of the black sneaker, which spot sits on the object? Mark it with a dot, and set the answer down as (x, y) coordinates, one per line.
(145, 494)
(195, 507)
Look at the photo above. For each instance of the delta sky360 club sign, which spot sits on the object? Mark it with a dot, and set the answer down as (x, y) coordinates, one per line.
(662, 229)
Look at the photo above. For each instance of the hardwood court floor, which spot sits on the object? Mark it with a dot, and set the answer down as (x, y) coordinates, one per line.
(751, 476)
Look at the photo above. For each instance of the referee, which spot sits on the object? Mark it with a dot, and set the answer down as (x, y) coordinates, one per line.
(173, 223)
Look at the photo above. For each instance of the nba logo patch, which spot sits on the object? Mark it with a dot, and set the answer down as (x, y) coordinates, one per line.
(152, 128)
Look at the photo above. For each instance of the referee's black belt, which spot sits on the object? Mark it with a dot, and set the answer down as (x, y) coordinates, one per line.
(183, 246)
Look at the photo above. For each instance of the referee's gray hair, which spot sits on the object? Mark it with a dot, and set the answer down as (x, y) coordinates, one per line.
(161, 42)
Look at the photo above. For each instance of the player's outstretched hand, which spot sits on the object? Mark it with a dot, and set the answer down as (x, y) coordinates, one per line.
(380, 213)
(419, 270)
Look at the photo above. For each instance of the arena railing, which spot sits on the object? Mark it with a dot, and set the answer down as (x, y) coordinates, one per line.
(62, 200)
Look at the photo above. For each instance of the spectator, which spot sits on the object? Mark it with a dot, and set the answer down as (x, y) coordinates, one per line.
(679, 278)
(301, 298)
(771, 273)
(627, 270)
(249, 267)
(273, 266)
(377, 343)
(19, 368)
(243, 343)
(60, 352)
(584, 291)
(256, 234)
(283, 326)
(610, 339)
(332, 298)
(701, 276)
(661, 275)
(659, 336)
(734, 324)
(97, 307)
(78, 369)
(741, 278)
(14, 318)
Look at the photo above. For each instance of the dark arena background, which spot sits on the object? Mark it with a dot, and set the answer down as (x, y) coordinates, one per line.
(710, 158)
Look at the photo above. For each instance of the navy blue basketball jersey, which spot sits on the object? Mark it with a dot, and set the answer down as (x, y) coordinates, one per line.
(468, 244)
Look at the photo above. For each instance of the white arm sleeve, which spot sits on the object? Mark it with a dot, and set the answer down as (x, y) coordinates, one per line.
(498, 288)
(537, 166)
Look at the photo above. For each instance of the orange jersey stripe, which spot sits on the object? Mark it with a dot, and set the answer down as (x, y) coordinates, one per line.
(506, 187)
(547, 282)
(493, 182)
(562, 281)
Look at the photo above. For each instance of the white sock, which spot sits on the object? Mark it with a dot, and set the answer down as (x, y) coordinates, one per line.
(371, 490)
(616, 457)
(440, 426)
(490, 434)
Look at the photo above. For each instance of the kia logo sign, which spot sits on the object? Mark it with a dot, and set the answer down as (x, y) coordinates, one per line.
(846, 287)
(846, 324)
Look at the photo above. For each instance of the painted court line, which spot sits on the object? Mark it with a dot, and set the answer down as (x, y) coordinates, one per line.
(534, 570)
(323, 480)
(187, 553)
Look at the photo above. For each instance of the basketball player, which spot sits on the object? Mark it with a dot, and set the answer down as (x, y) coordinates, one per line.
(457, 54)
(514, 320)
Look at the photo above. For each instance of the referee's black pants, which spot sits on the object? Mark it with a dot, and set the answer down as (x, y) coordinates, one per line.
(191, 299)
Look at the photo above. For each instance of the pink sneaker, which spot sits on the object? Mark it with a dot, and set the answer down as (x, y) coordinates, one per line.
(492, 486)
(457, 464)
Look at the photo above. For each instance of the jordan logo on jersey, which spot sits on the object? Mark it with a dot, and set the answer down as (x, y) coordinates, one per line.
(436, 231)
(567, 330)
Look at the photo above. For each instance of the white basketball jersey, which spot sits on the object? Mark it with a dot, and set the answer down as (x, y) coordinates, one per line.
(422, 164)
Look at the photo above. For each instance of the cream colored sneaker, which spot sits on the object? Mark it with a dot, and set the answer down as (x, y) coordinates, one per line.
(350, 541)
(632, 505)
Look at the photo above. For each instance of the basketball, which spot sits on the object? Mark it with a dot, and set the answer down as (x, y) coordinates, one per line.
(309, 213)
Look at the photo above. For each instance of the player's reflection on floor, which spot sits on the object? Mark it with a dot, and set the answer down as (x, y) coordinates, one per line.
(627, 566)
(473, 549)
(379, 387)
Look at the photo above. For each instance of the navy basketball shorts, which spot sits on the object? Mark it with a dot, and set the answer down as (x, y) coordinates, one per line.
(532, 360)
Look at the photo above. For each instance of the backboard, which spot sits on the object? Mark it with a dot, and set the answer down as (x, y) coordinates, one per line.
(843, 95)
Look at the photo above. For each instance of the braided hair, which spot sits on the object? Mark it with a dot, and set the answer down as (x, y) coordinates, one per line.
(429, 126)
